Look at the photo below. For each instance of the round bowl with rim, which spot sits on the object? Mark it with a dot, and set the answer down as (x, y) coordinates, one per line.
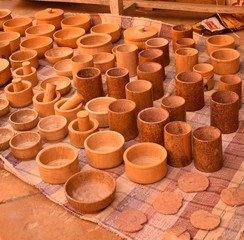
(63, 68)
(103, 61)
(46, 30)
(54, 55)
(5, 135)
(5, 73)
(13, 38)
(5, 14)
(4, 106)
(81, 21)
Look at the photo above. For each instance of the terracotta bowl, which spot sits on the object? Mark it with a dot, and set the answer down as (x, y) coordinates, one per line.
(185, 42)
(94, 43)
(114, 49)
(17, 58)
(103, 61)
(145, 163)
(5, 135)
(98, 109)
(40, 44)
(90, 190)
(17, 25)
(25, 145)
(13, 38)
(219, 41)
(225, 61)
(58, 162)
(4, 106)
(104, 149)
(24, 119)
(110, 28)
(67, 37)
(5, 14)
(46, 30)
(63, 68)
(82, 21)
(54, 55)
(5, 73)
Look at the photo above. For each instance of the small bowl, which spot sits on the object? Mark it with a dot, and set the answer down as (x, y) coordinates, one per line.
(5, 135)
(103, 61)
(145, 163)
(110, 28)
(63, 68)
(40, 44)
(24, 119)
(90, 190)
(58, 162)
(46, 30)
(25, 145)
(13, 38)
(81, 21)
(5, 73)
(63, 84)
(185, 42)
(53, 128)
(5, 15)
(54, 55)
(4, 106)
(67, 37)
(98, 109)
(114, 49)
(104, 149)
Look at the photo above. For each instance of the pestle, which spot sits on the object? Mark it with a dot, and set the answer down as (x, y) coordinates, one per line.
(50, 92)
(72, 102)
(83, 121)
(26, 68)
(17, 85)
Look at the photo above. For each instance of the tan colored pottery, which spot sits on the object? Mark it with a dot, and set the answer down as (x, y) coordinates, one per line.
(185, 43)
(104, 149)
(54, 55)
(219, 41)
(90, 190)
(4, 106)
(177, 142)
(25, 145)
(207, 149)
(114, 49)
(58, 162)
(5, 50)
(81, 21)
(109, 28)
(13, 38)
(18, 25)
(63, 68)
(5, 73)
(5, 135)
(145, 163)
(46, 30)
(94, 43)
(5, 14)
(24, 119)
(103, 61)
(225, 61)
(40, 44)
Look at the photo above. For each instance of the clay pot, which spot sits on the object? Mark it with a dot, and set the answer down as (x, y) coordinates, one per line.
(13, 38)
(46, 30)
(185, 43)
(114, 49)
(122, 118)
(145, 163)
(162, 44)
(175, 105)
(57, 163)
(151, 122)
(219, 41)
(67, 37)
(50, 16)
(98, 109)
(81, 21)
(177, 142)
(116, 79)
(181, 31)
(54, 55)
(5, 14)
(232, 83)
(189, 85)
(17, 58)
(224, 111)
(94, 43)
(19, 25)
(63, 68)
(4, 106)
(24, 119)
(5, 73)
(207, 72)
(5, 50)
(207, 149)
(152, 72)
(90, 199)
(110, 28)
(126, 56)
(89, 83)
(185, 59)
(25, 145)
(103, 61)
(5, 135)
(225, 61)
(104, 149)
(140, 92)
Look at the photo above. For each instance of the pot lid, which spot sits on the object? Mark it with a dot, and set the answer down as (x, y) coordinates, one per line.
(49, 14)
(140, 33)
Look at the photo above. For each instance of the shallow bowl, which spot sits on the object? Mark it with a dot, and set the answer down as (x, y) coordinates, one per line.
(46, 30)
(54, 55)
(63, 68)
(13, 38)
(82, 21)
(4, 106)
(5, 135)
(103, 61)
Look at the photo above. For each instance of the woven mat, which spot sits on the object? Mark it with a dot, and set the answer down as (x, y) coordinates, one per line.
(131, 195)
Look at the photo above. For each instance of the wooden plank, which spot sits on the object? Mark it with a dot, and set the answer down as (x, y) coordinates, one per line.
(215, 2)
(129, 8)
(98, 2)
(116, 7)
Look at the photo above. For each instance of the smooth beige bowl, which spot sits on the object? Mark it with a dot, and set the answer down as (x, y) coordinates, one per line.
(90, 191)
(13, 38)
(4, 106)
(81, 21)
(45, 30)
(58, 162)
(5, 135)
(109, 28)
(103, 61)
(98, 109)
(56, 54)
(63, 68)
(25, 145)
(5, 14)
(145, 163)
(104, 149)
(5, 73)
